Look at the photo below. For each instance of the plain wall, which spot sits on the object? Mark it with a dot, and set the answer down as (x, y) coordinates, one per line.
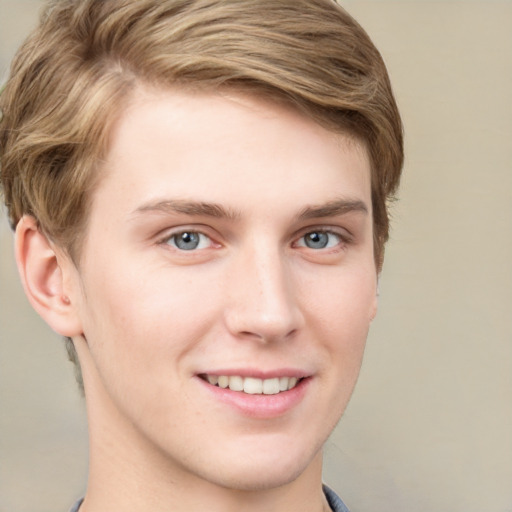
(429, 428)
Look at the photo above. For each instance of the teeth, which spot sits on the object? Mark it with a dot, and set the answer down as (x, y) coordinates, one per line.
(271, 386)
(253, 386)
(223, 381)
(292, 383)
(213, 379)
(236, 383)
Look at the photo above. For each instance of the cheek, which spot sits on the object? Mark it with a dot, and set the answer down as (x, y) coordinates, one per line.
(344, 303)
(340, 313)
(340, 318)
(149, 309)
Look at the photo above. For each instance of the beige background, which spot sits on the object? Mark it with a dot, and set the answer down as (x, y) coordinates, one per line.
(430, 426)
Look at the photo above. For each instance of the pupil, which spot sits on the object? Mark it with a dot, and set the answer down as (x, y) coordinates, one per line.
(317, 240)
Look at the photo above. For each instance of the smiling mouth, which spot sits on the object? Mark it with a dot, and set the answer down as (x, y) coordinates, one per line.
(252, 385)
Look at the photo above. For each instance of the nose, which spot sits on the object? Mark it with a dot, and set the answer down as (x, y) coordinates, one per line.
(262, 299)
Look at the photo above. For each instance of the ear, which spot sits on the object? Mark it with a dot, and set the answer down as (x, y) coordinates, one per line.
(47, 278)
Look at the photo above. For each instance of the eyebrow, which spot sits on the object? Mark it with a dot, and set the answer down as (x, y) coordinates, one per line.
(172, 206)
(200, 208)
(333, 209)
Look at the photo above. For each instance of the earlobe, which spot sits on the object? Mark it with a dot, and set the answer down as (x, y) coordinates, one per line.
(43, 279)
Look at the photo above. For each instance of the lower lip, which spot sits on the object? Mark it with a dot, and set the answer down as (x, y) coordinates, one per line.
(260, 406)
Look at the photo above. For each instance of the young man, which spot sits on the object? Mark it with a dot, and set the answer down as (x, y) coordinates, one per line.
(199, 194)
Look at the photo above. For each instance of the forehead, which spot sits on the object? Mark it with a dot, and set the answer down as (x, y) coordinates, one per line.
(180, 144)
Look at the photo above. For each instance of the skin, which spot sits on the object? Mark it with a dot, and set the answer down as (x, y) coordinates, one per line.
(148, 318)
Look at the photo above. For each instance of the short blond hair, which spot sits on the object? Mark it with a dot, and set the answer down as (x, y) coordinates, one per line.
(69, 80)
(76, 71)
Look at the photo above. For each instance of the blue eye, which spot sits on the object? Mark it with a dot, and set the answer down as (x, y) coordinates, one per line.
(189, 241)
(319, 240)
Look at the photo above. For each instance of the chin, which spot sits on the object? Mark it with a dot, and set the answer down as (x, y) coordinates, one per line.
(264, 473)
(257, 479)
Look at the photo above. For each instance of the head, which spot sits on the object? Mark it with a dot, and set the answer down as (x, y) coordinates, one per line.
(87, 63)
(78, 70)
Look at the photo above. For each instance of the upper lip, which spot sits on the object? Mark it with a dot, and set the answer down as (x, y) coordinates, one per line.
(259, 374)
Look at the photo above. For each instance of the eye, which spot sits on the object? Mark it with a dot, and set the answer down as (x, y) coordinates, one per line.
(319, 240)
(189, 241)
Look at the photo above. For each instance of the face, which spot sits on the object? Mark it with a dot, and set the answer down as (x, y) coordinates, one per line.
(227, 284)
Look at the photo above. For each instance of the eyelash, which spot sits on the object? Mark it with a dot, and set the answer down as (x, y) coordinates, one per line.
(190, 232)
(343, 239)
